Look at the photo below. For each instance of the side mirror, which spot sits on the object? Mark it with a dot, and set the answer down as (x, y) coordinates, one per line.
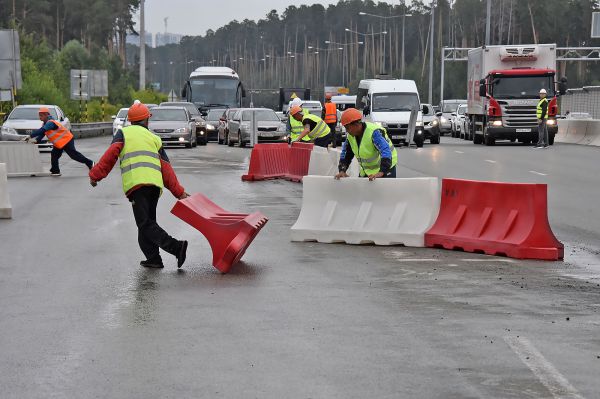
(425, 109)
(482, 90)
(113, 117)
(453, 114)
(366, 111)
(4, 118)
(439, 114)
(243, 92)
(562, 86)
(184, 90)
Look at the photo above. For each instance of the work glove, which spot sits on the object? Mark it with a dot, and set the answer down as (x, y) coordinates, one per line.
(31, 140)
(183, 196)
(93, 183)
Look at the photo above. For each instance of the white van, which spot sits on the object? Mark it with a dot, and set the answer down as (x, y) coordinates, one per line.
(390, 103)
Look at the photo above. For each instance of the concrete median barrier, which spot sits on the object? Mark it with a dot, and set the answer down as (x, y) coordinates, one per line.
(509, 219)
(5, 207)
(325, 161)
(21, 159)
(579, 131)
(358, 211)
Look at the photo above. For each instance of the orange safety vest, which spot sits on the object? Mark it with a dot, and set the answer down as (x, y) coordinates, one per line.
(59, 137)
(330, 113)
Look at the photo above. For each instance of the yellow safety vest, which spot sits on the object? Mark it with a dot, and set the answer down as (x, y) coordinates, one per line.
(140, 160)
(297, 128)
(367, 155)
(539, 108)
(320, 130)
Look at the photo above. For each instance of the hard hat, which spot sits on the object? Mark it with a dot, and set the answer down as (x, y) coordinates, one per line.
(295, 110)
(296, 101)
(328, 96)
(542, 91)
(351, 115)
(44, 110)
(138, 112)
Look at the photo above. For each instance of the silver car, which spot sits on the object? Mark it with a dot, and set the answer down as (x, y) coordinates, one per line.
(194, 112)
(269, 127)
(24, 119)
(120, 120)
(457, 119)
(174, 125)
(224, 125)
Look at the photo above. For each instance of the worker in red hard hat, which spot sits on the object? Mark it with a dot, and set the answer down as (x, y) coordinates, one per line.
(145, 170)
(62, 141)
(330, 117)
(314, 127)
(369, 143)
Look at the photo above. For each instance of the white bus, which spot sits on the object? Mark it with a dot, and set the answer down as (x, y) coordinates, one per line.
(214, 87)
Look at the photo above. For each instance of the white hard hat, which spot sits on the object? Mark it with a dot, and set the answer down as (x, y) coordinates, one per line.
(542, 91)
(296, 101)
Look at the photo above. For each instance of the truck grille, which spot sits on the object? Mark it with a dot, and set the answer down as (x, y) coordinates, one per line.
(163, 130)
(520, 116)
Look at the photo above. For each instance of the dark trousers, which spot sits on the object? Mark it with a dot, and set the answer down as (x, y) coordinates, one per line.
(151, 236)
(75, 155)
(324, 141)
(542, 133)
(332, 127)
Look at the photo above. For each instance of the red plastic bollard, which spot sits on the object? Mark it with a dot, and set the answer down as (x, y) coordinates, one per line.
(229, 234)
(268, 161)
(299, 159)
(509, 219)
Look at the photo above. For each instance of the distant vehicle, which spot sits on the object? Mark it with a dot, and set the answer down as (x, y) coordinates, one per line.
(282, 116)
(213, 87)
(578, 115)
(269, 127)
(430, 124)
(447, 108)
(313, 107)
(390, 104)
(120, 120)
(286, 94)
(224, 125)
(24, 119)
(196, 116)
(174, 125)
(342, 103)
(150, 106)
(456, 120)
(503, 92)
(211, 123)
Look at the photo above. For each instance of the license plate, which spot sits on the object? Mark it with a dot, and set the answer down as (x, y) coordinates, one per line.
(269, 134)
(396, 137)
(165, 136)
(523, 130)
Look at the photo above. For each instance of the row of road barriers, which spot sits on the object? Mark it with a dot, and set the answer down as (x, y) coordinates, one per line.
(579, 131)
(5, 207)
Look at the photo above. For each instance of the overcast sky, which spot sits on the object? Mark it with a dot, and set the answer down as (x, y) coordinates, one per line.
(195, 17)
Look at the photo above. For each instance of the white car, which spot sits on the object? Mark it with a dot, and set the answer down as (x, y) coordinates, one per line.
(120, 120)
(24, 119)
(457, 120)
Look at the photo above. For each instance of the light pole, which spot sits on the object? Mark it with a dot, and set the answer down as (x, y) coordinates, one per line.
(142, 47)
(430, 97)
(364, 52)
(344, 48)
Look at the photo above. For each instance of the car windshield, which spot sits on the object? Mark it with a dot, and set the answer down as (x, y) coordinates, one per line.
(461, 110)
(214, 91)
(163, 114)
(508, 87)
(266, 115)
(30, 113)
(122, 113)
(214, 114)
(393, 102)
(191, 108)
(450, 107)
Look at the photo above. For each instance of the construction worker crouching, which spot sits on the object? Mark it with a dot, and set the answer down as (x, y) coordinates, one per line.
(296, 126)
(376, 155)
(145, 170)
(314, 127)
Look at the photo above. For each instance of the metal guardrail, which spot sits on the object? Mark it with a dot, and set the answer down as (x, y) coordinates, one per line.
(82, 130)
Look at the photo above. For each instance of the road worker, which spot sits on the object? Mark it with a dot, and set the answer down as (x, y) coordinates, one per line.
(145, 170)
(62, 140)
(376, 155)
(296, 126)
(542, 119)
(314, 127)
(330, 116)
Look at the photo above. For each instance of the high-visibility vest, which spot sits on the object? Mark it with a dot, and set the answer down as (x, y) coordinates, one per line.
(367, 155)
(330, 113)
(320, 130)
(297, 128)
(59, 137)
(539, 108)
(140, 161)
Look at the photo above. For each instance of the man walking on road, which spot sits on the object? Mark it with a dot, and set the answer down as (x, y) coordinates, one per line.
(314, 127)
(62, 140)
(145, 170)
(542, 118)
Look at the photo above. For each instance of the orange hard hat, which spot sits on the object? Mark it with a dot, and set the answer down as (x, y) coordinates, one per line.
(328, 96)
(138, 112)
(351, 115)
(295, 109)
(44, 110)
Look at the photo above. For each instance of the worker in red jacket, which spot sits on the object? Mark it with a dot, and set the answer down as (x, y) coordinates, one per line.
(145, 170)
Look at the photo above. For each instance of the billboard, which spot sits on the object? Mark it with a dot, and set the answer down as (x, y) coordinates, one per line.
(10, 60)
(88, 83)
(337, 90)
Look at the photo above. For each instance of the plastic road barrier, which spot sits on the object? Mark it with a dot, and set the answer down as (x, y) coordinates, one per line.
(229, 234)
(359, 211)
(298, 161)
(5, 207)
(325, 161)
(21, 159)
(268, 161)
(509, 219)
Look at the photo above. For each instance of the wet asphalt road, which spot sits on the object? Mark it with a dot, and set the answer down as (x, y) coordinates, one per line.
(80, 318)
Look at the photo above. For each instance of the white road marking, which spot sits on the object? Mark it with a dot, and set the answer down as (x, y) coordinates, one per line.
(418, 260)
(548, 375)
(488, 260)
(538, 173)
(490, 161)
(459, 152)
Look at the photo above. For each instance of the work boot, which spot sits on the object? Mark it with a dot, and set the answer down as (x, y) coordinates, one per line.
(55, 174)
(182, 253)
(154, 264)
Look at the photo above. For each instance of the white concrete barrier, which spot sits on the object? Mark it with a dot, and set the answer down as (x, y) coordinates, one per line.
(5, 207)
(324, 162)
(21, 159)
(358, 211)
(579, 131)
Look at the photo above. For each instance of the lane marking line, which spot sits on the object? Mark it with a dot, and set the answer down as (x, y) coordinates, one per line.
(458, 152)
(490, 161)
(545, 372)
(538, 173)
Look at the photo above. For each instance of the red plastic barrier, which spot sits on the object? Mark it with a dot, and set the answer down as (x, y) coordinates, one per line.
(299, 159)
(268, 161)
(229, 234)
(508, 219)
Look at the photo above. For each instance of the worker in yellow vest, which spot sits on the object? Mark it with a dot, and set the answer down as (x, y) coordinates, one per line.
(542, 119)
(145, 170)
(314, 127)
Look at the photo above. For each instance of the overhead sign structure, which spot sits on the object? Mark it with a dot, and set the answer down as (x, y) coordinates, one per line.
(337, 90)
(88, 83)
(10, 60)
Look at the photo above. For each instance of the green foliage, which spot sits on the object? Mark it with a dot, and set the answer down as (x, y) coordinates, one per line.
(148, 96)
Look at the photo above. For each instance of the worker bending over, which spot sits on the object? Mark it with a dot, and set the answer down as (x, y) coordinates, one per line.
(314, 127)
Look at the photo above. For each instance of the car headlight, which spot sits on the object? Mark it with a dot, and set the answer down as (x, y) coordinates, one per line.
(551, 122)
(281, 128)
(182, 130)
(434, 122)
(210, 126)
(8, 130)
(497, 123)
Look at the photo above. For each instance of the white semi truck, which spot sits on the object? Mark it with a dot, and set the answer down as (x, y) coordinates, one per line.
(503, 92)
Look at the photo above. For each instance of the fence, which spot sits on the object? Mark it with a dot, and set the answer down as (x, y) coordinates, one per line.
(585, 99)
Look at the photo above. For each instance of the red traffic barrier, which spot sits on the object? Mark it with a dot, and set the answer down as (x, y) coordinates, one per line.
(299, 158)
(268, 161)
(509, 219)
(229, 234)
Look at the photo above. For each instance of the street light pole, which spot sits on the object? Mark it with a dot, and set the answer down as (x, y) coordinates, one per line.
(402, 63)
(430, 97)
(487, 22)
(142, 47)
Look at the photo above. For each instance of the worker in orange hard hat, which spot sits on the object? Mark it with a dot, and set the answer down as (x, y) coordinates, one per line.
(60, 137)
(329, 115)
(314, 127)
(369, 143)
(145, 170)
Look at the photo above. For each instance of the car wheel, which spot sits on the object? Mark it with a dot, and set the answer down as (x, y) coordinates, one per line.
(551, 139)
(488, 140)
(191, 142)
(228, 141)
(419, 142)
(434, 140)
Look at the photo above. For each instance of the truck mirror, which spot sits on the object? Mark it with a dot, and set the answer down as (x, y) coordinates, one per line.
(562, 86)
(184, 90)
(438, 114)
(482, 90)
(243, 92)
(366, 111)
